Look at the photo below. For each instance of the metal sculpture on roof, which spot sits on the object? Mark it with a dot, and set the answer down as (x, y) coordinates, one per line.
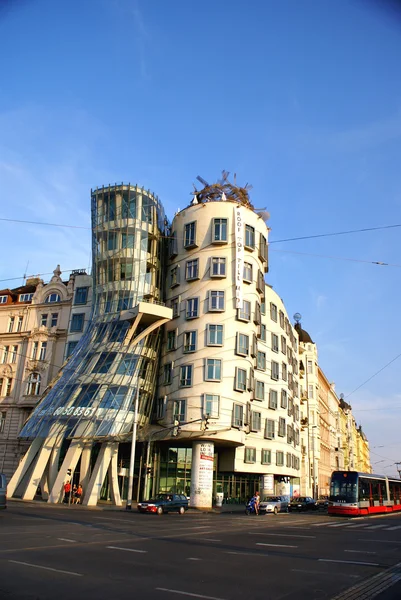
(222, 190)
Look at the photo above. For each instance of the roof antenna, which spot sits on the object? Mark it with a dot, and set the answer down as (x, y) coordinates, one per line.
(26, 269)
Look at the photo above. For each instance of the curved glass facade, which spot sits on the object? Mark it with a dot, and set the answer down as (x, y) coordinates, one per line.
(95, 393)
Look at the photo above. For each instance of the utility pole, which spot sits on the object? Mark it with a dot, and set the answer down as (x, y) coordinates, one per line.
(133, 448)
(398, 467)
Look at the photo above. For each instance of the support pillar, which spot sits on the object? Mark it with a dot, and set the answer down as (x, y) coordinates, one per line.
(113, 477)
(91, 495)
(39, 468)
(70, 462)
(23, 467)
(85, 466)
(202, 474)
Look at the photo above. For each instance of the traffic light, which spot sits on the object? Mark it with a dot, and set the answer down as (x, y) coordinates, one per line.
(206, 422)
(69, 472)
(148, 470)
(176, 429)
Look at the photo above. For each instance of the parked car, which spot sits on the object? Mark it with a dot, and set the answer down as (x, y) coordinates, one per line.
(323, 503)
(3, 491)
(302, 503)
(164, 503)
(273, 504)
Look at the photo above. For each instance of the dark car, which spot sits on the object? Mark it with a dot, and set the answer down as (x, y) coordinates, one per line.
(302, 503)
(164, 503)
(322, 503)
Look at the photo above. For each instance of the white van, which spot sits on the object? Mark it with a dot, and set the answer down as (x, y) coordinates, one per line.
(3, 491)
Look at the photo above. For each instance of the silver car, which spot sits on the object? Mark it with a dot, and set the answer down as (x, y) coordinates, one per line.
(3, 491)
(273, 504)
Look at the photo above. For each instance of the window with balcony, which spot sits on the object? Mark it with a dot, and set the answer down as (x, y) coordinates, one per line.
(216, 301)
(273, 399)
(192, 269)
(242, 344)
(240, 379)
(219, 231)
(249, 237)
(190, 341)
(212, 369)
(214, 335)
(259, 390)
(218, 267)
(238, 415)
(186, 372)
(192, 308)
(211, 405)
(190, 235)
(250, 455)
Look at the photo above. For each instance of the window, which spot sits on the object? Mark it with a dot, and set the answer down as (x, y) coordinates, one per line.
(43, 349)
(33, 384)
(263, 248)
(261, 361)
(160, 408)
(249, 237)
(3, 299)
(104, 362)
(269, 429)
(9, 383)
(260, 283)
(273, 399)
(175, 305)
(192, 269)
(275, 370)
(242, 345)
(309, 367)
(54, 320)
(179, 410)
(213, 369)
(171, 340)
(43, 320)
(126, 270)
(190, 341)
(186, 375)
(35, 347)
(19, 323)
(192, 308)
(127, 241)
(247, 272)
(3, 414)
(281, 316)
(281, 427)
(190, 235)
(280, 459)
(11, 324)
(250, 455)
(273, 312)
(211, 405)
(288, 460)
(81, 295)
(14, 352)
(263, 307)
(216, 301)
(77, 322)
(310, 390)
(70, 348)
(262, 333)
(283, 345)
(53, 298)
(238, 415)
(22, 297)
(167, 373)
(259, 390)
(284, 399)
(254, 349)
(274, 342)
(175, 276)
(240, 379)
(5, 354)
(218, 267)
(219, 231)
(244, 313)
(214, 335)
(147, 209)
(114, 397)
(266, 457)
(127, 365)
(256, 421)
(118, 331)
(257, 315)
(112, 241)
(128, 205)
(173, 245)
(284, 371)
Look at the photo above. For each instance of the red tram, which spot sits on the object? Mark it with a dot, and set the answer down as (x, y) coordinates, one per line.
(353, 494)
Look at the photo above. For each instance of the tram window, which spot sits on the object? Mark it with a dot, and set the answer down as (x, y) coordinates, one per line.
(363, 489)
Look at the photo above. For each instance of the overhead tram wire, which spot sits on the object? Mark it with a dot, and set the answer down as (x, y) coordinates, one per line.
(369, 262)
(374, 375)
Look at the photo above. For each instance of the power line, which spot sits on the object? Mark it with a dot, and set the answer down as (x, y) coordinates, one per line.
(371, 262)
(42, 223)
(320, 235)
(374, 375)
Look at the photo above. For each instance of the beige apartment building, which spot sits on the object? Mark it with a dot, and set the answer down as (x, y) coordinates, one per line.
(38, 330)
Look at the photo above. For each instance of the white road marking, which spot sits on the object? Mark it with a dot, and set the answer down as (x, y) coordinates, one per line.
(276, 545)
(190, 558)
(348, 562)
(375, 526)
(18, 562)
(209, 540)
(321, 524)
(360, 552)
(339, 525)
(320, 573)
(393, 528)
(188, 594)
(65, 540)
(360, 525)
(244, 553)
(380, 541)
(292, 535)
(127, 549)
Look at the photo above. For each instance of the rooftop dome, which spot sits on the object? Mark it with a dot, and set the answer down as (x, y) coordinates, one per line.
(304, 336)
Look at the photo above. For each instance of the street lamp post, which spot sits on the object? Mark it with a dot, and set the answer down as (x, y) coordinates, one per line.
(132, 458)
(314, 462)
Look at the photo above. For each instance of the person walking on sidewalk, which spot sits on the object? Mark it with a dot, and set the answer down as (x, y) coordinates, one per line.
(67, 491)
(78, 495)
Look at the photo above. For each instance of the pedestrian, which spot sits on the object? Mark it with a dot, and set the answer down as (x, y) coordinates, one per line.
(78, 495)
(67, 491)
(257, 502)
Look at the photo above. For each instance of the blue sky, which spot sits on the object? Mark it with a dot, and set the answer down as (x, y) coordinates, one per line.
(300, 99)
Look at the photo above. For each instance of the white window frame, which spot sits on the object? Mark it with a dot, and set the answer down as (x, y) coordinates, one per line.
(211, 405)
(43, 350)
(239, 385)
(218, 267)
(192, 308)
(249, 455)
(190, 341)
(22, 297)
(279, 458)
(275, 367)
(3, 299)
(215, 364)
(240, 348)
(244, 313)
(248, 272)
(190, 235)
(259, 386)
(273, 399)
(249, 237)
(192, 269)
(218, 222)
(270, 429)
(217, 301)
(52, 298)
(266, 456)
(256, 421)
(216, 334)
(261, 360)
(34, 381)
(238, 416)
(186, 376)
(180, 410)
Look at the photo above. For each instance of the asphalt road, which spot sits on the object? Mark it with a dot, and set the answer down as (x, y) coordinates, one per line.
(69, 553)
